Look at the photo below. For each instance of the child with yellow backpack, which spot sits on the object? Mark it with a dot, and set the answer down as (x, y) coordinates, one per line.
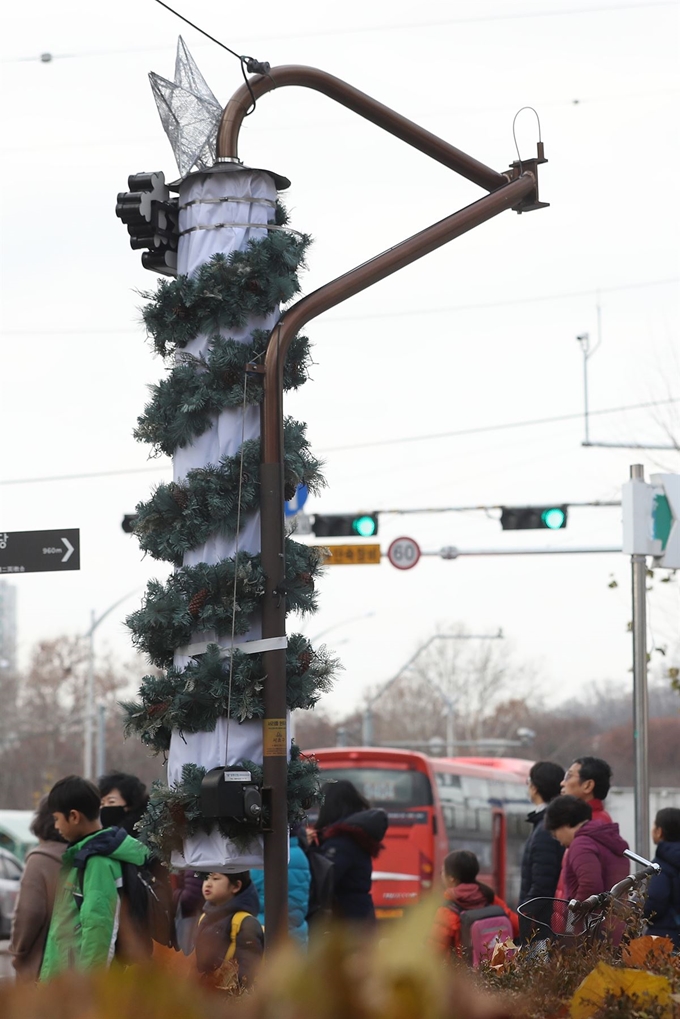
(229, 937)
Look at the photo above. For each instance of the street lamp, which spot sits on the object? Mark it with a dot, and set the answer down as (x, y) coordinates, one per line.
(343, 622)
(367, 721)
(88, 721)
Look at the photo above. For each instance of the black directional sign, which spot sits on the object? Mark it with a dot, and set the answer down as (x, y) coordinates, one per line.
(39, 551)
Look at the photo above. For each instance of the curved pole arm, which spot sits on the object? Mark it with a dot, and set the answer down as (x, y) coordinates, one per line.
(361, 278)
(357, 101)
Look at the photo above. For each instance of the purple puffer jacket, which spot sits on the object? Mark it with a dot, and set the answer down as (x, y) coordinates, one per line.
(595, 860)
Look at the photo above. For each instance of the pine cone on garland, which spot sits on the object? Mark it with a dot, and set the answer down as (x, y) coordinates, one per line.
(305, 659)
(178, 814)
(230, 377)
(158, 709)
(305, 578)
(289, 491)
(179, 494)
(198, 601)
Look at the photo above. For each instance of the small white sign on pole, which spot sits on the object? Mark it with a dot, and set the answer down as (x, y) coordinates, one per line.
(404, 553)
(651, 519)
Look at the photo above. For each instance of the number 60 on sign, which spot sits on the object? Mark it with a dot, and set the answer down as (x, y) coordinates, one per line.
(404, 553)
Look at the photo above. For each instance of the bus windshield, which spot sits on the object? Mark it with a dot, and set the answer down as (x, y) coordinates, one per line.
(389, 788)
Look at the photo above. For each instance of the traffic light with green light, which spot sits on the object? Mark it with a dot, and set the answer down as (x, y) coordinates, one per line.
(345, 525)
(533, 518)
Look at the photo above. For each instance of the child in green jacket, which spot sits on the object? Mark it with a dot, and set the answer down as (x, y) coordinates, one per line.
(86, 918)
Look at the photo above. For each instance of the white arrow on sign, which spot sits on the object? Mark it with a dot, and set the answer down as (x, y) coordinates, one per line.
(69, 550)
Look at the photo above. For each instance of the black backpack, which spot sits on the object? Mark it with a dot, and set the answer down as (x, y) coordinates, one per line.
(146, 895)
(320, 909)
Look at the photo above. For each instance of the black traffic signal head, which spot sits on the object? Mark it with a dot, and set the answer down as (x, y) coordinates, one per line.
(151, 217)
(129, 521)
(533, 518)
(345, 525)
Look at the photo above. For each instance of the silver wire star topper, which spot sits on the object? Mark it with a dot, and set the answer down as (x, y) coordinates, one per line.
(189, 112)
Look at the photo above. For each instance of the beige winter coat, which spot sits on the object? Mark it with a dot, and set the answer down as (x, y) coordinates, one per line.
(34, 908)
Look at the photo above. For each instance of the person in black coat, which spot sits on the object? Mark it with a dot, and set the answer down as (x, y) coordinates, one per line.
(542, 856)
(350, 833)
(663, 899)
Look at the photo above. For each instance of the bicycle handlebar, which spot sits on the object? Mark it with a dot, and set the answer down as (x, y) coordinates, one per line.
(638, 859)
(599, 901)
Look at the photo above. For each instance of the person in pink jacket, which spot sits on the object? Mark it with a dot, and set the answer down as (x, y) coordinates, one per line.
(594, 861)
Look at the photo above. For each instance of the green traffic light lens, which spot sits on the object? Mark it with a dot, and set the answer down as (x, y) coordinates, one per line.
(365, 527)
(553, 518)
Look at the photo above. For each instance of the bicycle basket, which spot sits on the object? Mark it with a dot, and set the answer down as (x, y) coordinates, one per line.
(554, 915)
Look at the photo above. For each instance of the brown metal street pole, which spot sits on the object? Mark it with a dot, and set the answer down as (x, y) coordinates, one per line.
(357, 101)
(517, 190)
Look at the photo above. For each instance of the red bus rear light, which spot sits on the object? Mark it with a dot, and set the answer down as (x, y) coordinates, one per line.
(426, 871)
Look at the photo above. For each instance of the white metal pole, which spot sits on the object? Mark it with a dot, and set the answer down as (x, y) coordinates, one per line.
(101, 739)
(89, 704)
(640, 699)
(450, 729)
(88, 720)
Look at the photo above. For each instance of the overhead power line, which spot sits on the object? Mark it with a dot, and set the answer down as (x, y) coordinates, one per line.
(446, 309)
(367, 29)
(360, 445)
(494, 428)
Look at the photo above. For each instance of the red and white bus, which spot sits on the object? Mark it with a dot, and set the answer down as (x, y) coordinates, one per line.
(435, 805)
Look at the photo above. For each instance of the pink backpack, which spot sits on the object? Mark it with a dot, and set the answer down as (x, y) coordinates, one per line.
(481, 930)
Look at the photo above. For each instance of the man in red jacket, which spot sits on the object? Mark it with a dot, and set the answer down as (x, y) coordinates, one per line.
(588, 779)
(594, 861)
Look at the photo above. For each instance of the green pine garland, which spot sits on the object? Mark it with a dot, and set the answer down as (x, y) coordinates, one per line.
(199, 598)
(174, 813)
(220, 297)
(184, 404)
(180, 516)
(226, 291)
(192, 700)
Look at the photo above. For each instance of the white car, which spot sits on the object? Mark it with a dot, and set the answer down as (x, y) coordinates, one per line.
(11, 870)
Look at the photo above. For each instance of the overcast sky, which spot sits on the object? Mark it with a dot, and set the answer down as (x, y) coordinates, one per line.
(481, 333)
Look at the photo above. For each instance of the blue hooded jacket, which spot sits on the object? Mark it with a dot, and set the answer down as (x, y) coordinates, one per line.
(299, 882)
(663, 899)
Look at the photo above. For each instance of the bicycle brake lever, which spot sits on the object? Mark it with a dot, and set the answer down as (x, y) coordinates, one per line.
(590, 904)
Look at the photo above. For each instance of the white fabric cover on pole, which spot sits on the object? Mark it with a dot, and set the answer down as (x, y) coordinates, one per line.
(228, 430)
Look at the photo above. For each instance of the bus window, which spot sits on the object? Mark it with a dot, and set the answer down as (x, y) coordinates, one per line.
(445, 780)
(480, 847)
(386, 787)
(476, 789)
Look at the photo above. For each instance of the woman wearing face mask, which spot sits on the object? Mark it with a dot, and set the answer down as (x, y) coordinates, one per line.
(124, 800)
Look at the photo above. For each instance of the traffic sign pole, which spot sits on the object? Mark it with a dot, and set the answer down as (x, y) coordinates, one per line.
(638, 565)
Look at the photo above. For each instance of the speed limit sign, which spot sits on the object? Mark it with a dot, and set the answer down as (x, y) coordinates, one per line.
(403, 553)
